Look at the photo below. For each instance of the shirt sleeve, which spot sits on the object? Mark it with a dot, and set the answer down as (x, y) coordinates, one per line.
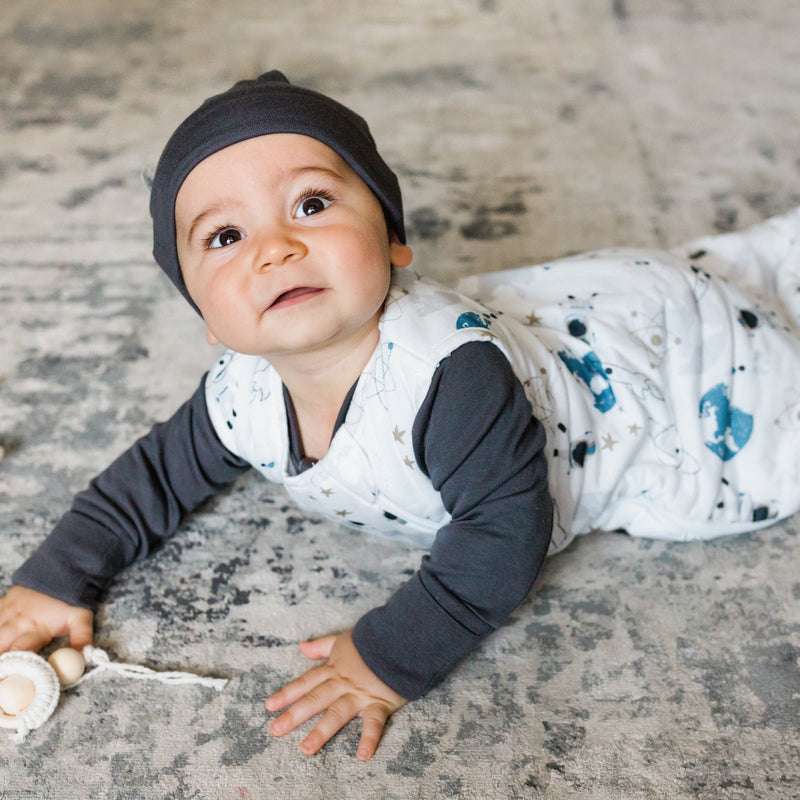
(475, 437)
(132, 506)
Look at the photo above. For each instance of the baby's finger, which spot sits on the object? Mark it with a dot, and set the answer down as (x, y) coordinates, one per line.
(296, 689)
(79, 627)
(309, 705)
(334, 719)
(30, 640)
(374, 722)
(7, 636)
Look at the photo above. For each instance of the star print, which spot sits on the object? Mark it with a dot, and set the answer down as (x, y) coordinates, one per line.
(342, 513)
(532, 319)
(634, 429)
(609, 442)
(326, 492)
(408, 462)
(398, 434)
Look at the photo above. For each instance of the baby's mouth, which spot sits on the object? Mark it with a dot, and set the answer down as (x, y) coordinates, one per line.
(296, 295)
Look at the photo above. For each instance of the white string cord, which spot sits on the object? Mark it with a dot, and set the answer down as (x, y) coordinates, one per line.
(102, 663)
(48, 689)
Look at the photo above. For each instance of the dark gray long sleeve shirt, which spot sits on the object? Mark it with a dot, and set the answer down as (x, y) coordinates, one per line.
(482, 450)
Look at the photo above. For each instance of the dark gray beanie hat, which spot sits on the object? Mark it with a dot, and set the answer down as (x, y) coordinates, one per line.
(268, 104)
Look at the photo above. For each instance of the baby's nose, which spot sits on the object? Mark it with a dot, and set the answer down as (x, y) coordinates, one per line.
(277, 248)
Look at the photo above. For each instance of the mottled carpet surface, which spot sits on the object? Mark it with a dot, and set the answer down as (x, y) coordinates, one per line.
(521, 130)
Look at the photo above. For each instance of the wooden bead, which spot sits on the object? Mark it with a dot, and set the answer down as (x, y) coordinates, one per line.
(16, 694)
(69, 665)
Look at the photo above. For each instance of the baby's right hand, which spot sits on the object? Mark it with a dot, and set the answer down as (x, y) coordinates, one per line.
(29, 620)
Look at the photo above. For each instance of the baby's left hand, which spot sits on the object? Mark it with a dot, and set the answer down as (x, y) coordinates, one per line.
(344, 687)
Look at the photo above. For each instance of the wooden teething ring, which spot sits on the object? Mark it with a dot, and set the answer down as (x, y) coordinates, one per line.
(44, 680)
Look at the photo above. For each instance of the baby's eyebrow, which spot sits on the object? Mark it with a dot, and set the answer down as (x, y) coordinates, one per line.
(205, 214)
(298, 172)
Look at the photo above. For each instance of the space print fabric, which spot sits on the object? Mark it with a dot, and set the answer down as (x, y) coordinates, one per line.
(668, 383)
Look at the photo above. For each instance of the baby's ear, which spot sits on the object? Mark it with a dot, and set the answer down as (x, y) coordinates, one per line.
(400, 254)
(210, 338)
(147, 178)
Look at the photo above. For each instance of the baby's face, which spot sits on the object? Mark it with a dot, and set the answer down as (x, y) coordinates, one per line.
(284, 248)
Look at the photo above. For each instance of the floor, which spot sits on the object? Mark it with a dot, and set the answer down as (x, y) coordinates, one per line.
(521, 130)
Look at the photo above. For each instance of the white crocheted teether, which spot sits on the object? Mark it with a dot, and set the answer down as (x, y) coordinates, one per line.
(46, 692)
(27, 666)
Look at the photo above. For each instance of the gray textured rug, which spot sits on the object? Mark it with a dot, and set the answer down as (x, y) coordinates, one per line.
(521, 130)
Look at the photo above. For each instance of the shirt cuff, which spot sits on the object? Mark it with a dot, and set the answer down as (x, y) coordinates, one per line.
(74, 564)
(411, 643)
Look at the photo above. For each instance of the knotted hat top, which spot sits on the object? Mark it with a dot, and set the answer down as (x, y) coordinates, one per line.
(267, 104)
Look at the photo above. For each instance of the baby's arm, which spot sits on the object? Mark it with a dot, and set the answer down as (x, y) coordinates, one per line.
(476, 438)
(481, 566)
(29, 620)
(126, 511)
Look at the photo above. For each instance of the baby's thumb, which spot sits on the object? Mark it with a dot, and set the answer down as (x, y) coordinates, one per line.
(79, 627)
(318, 648)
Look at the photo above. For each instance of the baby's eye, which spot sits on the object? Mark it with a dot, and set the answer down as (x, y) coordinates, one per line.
(223, 238)
(312, 205)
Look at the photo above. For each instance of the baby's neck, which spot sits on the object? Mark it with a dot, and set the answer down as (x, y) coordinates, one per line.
(318, 391)
(315, 426)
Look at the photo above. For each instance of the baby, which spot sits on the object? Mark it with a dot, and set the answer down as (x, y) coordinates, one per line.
(490, 422)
